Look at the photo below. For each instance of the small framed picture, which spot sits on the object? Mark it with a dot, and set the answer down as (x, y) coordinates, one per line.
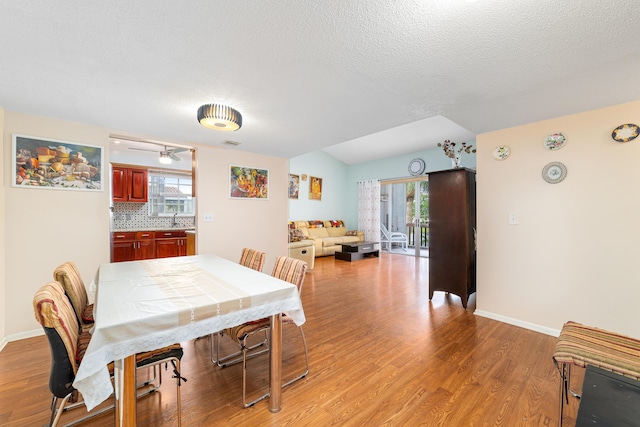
(315, 188)
(294, 186)
(248, 182)
(56, 165)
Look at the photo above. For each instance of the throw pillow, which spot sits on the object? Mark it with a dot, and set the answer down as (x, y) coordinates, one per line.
(352, 233)
(296, 235)
(336, 223)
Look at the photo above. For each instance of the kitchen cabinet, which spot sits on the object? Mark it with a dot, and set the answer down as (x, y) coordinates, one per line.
(191, 242)
(129, 184)
(132, 246)
(452, 222)
(171, 243)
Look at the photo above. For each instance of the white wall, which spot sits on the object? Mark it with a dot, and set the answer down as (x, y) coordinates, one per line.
(44, 228)
(238, 223)
(574, 254)
(3, 240)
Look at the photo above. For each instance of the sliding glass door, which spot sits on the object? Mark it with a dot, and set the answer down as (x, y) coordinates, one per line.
(404, 208)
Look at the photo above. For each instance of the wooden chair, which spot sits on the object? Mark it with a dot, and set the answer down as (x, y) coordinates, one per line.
(68, 343)
(293, 271)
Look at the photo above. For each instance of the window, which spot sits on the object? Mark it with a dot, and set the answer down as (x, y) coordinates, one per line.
(170, 193)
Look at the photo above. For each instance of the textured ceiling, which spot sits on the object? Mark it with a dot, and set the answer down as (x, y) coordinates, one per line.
(312, 74)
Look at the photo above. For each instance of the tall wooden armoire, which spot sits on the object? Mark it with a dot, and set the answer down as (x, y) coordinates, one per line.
(452, 222)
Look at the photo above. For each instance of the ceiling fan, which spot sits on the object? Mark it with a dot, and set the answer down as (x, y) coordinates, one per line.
(167, 155)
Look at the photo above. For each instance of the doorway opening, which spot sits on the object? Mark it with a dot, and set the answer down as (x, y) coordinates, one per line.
(404, 208)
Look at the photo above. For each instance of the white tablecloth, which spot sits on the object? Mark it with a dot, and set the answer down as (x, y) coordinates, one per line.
(145, 305)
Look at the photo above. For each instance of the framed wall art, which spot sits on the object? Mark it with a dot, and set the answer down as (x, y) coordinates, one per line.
(294, 186)
(315, 188)
(248, 182)
(58, 165)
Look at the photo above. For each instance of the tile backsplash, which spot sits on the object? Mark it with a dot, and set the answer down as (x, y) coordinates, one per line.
(135, 216)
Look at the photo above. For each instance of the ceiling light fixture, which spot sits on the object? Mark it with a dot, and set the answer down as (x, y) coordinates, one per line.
(165, 158)
(219, 117)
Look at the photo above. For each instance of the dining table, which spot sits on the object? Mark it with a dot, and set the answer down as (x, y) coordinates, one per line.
(149, 304)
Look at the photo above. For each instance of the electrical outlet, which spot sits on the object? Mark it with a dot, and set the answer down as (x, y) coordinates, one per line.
(513, 219)
(207, 217)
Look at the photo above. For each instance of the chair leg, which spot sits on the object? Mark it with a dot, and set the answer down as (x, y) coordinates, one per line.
(244, 378)
(245, 349)
(306, 357)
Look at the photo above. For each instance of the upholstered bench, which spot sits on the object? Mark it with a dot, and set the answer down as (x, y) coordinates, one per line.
(582, 345)
(303, 250)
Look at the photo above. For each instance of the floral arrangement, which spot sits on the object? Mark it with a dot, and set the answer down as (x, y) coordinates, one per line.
(454, 151)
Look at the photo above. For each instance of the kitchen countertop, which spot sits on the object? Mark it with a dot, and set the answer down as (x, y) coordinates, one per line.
(153, 229)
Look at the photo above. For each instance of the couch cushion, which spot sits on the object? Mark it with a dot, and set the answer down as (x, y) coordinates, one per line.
(332, 241)
(316, 233)
(336, 231)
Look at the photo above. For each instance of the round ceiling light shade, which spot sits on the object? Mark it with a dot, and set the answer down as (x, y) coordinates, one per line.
(219, 117)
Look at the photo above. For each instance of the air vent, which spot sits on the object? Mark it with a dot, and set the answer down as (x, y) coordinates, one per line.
(234, 143)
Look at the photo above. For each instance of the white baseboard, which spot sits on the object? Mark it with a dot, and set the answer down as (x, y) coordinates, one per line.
(20, 336)
(520, 323)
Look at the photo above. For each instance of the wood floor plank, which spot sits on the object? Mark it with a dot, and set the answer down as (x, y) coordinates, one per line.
(380, 353)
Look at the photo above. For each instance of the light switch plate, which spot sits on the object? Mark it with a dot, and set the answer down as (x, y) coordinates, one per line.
(513, 219)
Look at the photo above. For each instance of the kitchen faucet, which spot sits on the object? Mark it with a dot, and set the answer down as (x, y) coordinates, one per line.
(175, 222)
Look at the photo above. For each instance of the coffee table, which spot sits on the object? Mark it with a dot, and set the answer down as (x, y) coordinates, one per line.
(355, 251)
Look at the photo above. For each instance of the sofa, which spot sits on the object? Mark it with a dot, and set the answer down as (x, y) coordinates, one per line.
(327, 235)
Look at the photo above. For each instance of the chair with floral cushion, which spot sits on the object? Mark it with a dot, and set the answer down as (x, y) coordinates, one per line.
(293, 271)
(68, 343)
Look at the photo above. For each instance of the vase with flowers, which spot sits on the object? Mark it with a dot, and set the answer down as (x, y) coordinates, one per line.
(454, 151)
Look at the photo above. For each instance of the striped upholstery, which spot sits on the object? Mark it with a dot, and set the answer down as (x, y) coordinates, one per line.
(69, 277)
(582, 345)
(252, 259)
(53, 310)
(290, 270)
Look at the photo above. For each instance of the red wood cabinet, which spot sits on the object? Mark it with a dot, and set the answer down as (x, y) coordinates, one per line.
(132, 246)
(171, 243)
(129, 184)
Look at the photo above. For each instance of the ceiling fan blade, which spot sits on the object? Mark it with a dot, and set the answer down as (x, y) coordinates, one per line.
(174, 157)
(179, 150)
(143, 149)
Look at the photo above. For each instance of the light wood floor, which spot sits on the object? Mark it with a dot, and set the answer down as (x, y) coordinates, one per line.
(380, 353)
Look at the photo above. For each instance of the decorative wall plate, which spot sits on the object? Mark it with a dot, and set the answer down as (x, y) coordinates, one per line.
(417, 167)
(554, 172)
(501, 152)
(555, 141)
(625, 133)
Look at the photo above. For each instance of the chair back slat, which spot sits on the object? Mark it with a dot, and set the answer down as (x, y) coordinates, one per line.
(253, 259)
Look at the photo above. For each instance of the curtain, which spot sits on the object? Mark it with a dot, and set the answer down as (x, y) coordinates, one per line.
(369, 209)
